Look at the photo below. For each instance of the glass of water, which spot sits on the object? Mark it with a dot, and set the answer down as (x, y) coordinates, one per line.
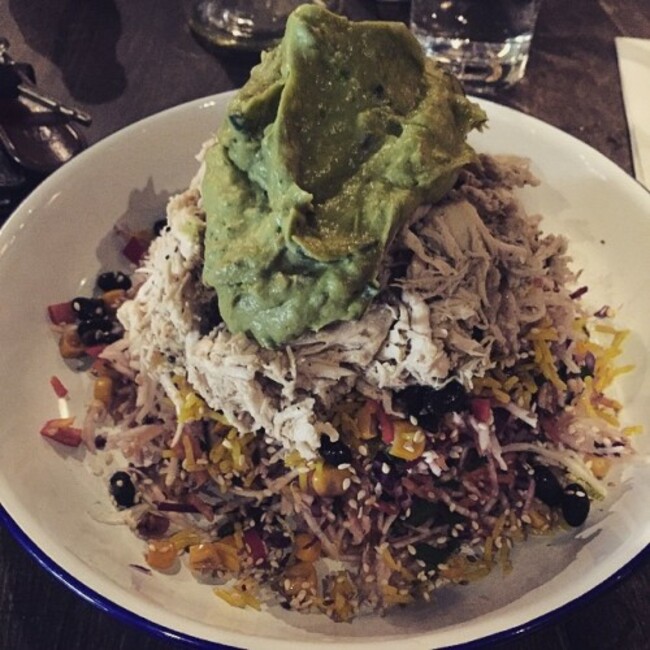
(483, 42)
(245, 24)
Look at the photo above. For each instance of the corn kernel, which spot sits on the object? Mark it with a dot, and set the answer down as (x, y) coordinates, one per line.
(600, 466)
(205, 557)
(103, 390)
(328, 481)
(114, 298)
(307, 547)
(161, 554)
(537, 520)
(299, 576)
(367, 421)
(409, 441)
(70, 346)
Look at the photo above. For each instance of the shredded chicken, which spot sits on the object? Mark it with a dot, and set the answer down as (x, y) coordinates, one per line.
(478, 270)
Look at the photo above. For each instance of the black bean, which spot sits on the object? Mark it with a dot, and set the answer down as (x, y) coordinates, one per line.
(433, 556)
(122, 489)
(278, 539)
(387, 471)
(226, 529)
(575, 504)
(547, 487)
(113, 280)
(87, 308)
(110, 337)
(98, 331)
(421, 511)
(334, 453)
(428, 405)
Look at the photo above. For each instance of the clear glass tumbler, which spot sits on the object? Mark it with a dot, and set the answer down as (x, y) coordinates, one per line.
(245, 24)
(484, 42)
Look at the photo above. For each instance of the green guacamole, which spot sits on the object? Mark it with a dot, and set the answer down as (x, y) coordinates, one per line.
(340, 133)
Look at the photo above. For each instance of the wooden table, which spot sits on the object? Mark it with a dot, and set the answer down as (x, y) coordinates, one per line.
(123, 61)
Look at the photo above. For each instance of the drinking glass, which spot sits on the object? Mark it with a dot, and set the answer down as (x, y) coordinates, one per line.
(245, 24)
(485, 43)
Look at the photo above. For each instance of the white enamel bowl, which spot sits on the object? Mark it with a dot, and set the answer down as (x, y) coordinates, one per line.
(52, 248)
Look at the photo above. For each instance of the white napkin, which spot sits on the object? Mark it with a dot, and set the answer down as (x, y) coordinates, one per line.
(634, 65)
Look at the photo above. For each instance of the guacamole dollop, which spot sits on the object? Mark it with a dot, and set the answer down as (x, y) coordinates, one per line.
(340, 133)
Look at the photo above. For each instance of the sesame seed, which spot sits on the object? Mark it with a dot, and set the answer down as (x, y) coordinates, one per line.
(385, 468)
(411, 549)
(362, 495)
(363, 450)
(346, 484)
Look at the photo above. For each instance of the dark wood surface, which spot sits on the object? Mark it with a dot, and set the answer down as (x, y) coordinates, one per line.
(123, 60)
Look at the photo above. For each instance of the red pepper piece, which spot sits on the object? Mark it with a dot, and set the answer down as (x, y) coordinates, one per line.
(61, 430)
(135, 249)
(385, 425)
(255, 544)
(481, 409)
(59, 388)
(94, 350)
(62, 312)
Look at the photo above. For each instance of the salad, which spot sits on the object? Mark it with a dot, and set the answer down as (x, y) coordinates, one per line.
(365, 462)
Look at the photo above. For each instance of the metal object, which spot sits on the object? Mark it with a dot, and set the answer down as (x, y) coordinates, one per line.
(36, 132)
(29, 92)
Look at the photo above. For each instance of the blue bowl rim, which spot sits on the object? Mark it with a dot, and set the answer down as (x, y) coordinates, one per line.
(117, 611)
